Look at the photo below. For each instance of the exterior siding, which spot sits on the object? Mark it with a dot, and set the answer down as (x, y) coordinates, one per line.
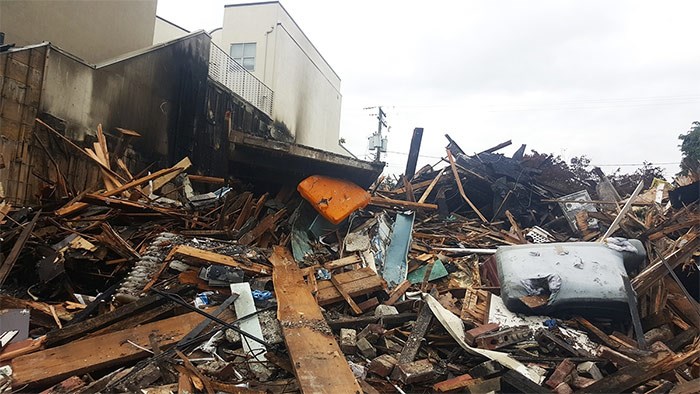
(307, 90)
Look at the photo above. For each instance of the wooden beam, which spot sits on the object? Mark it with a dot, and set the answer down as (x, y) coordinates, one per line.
(687, 307)
(623, 212)
(318, 363)
(190, 367)
(339, 286)
(206, 179)
(216, 258)
(71, 143)
(245, 213)
(356, 283)
(645, 369)
(165, 178)
(7, 264)
(397, 292)
(92, 354)
(410, 349)
(671, 229)
(590, 327)
(76, 207)
(388, 202)
(82, 328)
(267, 223)
(342, 262)
(461, 188)
(657, 270)
(430, 188)
(516, 228)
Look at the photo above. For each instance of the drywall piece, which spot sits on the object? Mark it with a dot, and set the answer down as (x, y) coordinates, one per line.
(244, 306)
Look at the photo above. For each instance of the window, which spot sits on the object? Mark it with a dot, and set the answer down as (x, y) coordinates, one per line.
(244, 54)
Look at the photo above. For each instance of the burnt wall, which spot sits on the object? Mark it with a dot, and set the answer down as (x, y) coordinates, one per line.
(163, 93)
(157, 93)
(225, 112)
(21, 75)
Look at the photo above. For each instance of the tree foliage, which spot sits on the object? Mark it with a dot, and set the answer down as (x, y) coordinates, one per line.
(578, 174)
(690, 148)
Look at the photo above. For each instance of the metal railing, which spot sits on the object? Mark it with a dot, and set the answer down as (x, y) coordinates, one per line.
(230, 73)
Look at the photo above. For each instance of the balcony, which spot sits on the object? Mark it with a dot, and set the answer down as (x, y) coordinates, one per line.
(225, 70)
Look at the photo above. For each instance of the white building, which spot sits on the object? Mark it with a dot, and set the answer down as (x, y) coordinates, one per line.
(95, 31)
(265, 39)
(165, 31)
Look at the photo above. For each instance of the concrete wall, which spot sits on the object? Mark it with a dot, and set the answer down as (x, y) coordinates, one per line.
(94, 30)
(165, 31)
(307, 95)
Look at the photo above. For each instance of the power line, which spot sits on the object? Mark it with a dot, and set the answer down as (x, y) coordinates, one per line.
(574, 104)
(592, 164)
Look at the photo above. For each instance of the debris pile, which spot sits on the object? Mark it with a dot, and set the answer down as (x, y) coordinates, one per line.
(486, 273)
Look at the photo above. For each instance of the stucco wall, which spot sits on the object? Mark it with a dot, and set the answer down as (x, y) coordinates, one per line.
(94, 30)
(307, 95)
(165, 31)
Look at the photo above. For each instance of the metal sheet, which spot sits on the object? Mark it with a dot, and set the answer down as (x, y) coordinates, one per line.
(395, 267)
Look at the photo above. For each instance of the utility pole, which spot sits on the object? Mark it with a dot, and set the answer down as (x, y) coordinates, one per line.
(382, 122)
(376, 142)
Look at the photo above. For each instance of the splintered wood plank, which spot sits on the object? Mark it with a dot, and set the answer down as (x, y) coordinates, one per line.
(9, 262)
(206, 179)
(75, 207)
(686, 307)
(268, 223)
(461, 188)
(389, 203)
(319, 365)
(4, 210)
(339, 286)
(161, 181)
(92, 354)
(355, 283)
(397, 292)
(342, 262)
(245, 213)
(515, 228)
(643, 370)
(474, 305)
(430, 188)
(216, 258)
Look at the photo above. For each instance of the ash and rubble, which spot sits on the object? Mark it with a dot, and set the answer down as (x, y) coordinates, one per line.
(423, 303)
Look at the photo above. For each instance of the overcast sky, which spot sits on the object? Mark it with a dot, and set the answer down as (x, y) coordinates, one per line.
(614, 80)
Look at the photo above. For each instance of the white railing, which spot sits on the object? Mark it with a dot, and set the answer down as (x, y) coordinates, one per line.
(230, 73)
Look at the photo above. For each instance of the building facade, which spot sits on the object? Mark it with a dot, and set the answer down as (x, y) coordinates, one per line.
(265, 39)
(167, 31)
(95, 31)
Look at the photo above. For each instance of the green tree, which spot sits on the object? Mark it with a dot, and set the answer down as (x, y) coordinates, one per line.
(690, 148)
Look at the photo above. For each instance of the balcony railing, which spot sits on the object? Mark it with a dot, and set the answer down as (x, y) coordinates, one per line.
(230, 73)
